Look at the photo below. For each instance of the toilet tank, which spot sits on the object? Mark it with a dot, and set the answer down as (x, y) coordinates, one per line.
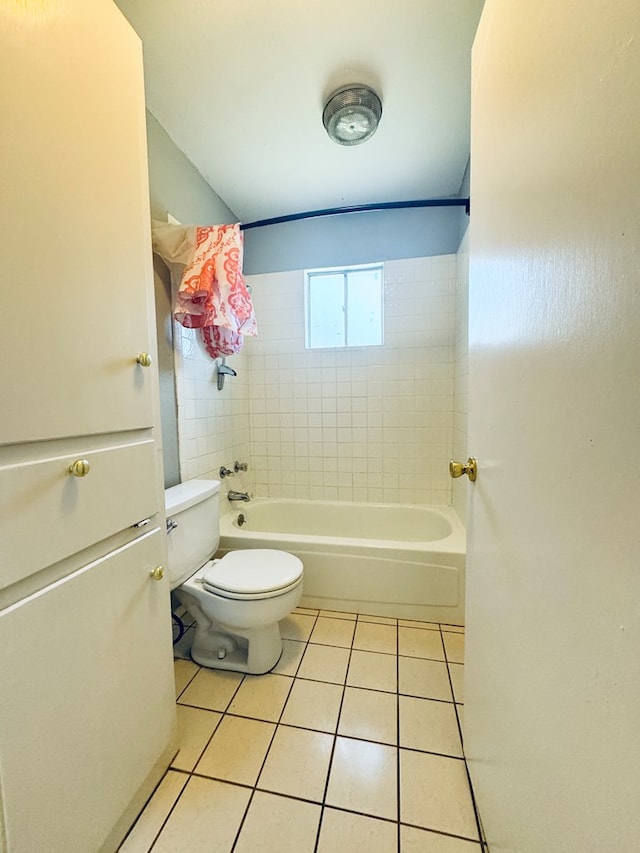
(193, 507)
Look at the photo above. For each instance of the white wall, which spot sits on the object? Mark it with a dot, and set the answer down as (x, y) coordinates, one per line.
(372, 424)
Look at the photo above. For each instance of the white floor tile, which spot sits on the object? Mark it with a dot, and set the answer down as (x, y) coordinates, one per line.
(339, 614)
(206, 818)
(456, 670)
(414, 623)
(309, 611)
(418, 643)
(414, 840)
(372, 637)
(297, 626)
(277, 824)
(195, 727)
(313, 705)
(454, 647)
(363, 778)
(333, 632)
(356, 833)
(435, 794)
(428, 679)
(155, 813)
(369, 715)
(373, 670)
(381, 620)
(237, 750)
(184, 671)
(292, 651)
(261, 696)
(429, 726)
(211, 689)
(324, 663)
(297, 763)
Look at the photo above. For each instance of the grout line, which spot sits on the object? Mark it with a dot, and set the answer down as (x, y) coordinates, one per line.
(363, 814)
(398, 768)
(442, 833)
(476, 813)
(151, 796)
(190, 680)
(169, 813)
(268, 750)
(333, 748)
(202, 752)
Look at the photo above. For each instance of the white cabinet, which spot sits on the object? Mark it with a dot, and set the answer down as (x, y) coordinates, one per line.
(73, 218)
(87, 711)
(83, 702)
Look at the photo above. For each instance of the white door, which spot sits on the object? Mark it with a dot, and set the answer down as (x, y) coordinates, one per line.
(552, 713)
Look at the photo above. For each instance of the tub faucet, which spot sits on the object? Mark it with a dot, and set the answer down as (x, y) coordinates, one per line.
(237, 496)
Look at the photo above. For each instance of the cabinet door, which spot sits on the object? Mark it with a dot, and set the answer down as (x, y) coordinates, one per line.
(68, 513)
(87, 700)
(74, 218)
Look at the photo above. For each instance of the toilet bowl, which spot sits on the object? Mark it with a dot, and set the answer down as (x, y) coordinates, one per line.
(236, 601)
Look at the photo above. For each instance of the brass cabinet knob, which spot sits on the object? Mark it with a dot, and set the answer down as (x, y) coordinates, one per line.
(157, 574)
(144, 359)
(457, 469)
(79, 468)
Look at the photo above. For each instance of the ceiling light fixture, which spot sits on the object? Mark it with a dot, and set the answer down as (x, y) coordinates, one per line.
(351, 114)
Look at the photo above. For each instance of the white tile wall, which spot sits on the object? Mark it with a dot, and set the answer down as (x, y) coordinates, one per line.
(213, 425)
(372, 424)
(461, 451)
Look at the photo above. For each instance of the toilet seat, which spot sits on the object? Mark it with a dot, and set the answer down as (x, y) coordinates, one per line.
(252, 574)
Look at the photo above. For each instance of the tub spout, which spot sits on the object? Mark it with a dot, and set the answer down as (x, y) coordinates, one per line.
(237, 496)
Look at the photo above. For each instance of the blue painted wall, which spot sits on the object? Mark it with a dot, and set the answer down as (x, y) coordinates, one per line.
(353, 238)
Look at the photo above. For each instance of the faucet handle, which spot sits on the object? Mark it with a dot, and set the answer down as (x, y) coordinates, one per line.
(240, 466)
(225, 472)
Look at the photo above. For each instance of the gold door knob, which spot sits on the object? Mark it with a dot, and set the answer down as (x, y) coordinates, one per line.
(144, 359)
(79, 468)
(457, 469)
(157, 574)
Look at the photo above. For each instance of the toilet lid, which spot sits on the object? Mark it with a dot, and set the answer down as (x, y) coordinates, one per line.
(253, 571)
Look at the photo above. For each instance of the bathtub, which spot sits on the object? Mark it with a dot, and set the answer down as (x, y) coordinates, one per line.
(380, 559)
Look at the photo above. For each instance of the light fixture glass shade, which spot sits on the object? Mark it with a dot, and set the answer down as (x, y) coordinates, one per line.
(351, 115)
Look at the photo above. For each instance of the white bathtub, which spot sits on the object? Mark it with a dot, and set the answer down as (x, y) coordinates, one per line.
(381, 559)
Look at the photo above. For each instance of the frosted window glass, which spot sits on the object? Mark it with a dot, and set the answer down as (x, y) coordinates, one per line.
(344, 307)
(326, 311)
(364, 308)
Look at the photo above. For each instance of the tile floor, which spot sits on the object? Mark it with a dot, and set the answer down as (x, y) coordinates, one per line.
(351, 743)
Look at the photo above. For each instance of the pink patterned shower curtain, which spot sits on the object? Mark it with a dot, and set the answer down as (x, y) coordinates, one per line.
(212, 295)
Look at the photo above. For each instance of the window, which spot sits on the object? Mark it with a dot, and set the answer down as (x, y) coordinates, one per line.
(344, 307)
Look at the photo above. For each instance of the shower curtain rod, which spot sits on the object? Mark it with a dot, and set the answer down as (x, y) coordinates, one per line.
(360, 208)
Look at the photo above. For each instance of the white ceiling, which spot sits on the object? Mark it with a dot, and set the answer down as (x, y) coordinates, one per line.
(240, 85)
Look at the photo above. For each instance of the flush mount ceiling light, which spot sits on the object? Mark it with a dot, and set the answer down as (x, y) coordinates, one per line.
(351, 115)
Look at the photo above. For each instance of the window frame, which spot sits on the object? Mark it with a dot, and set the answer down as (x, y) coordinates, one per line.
(345, 270)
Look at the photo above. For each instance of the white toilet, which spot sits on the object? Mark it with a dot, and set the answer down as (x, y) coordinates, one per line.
(238, 600)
